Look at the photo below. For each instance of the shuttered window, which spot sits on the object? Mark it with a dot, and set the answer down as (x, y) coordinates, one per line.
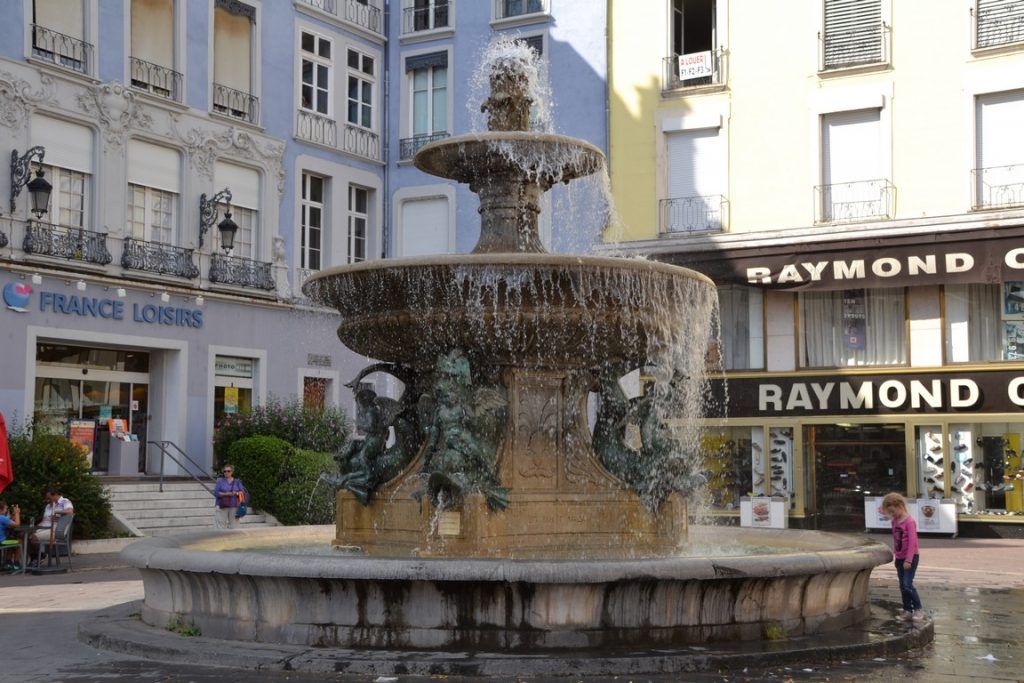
(853, 33)
(853, 177)
(1000, 150)
(999, 22)
(697, 181)
(425, 227)
(232, 46)
(153, 31)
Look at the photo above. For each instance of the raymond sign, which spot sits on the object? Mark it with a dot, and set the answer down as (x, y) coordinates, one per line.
(695, 65)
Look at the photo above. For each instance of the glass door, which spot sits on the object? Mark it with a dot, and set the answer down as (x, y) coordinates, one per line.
(851, 462)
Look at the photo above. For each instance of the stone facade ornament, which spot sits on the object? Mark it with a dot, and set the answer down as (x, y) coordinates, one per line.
(18, 98)
(206, 146)
(117, 110)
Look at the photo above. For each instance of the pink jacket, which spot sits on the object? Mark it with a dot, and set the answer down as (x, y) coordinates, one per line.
(904, 538)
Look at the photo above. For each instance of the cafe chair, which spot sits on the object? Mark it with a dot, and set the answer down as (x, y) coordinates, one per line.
(61, 540)
(10, 552)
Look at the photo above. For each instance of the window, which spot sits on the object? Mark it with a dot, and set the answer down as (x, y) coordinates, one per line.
(153, 191)
(999, 176)
(311, 248)
(151, 64)
(693, 33)
(697, 181)
(516, 8)
(360, 89)
(983, 464)
(233, 24)
(244, 184)
(358, 216)
(314, 393)
(317, 65)
(975, 328)
(425, 227)
(151, 214)
(741, 314)
(854, 180)
(998, 22)
(58, 34)
(852, 327)
(424, 15)
(853, 34)
(430, 100)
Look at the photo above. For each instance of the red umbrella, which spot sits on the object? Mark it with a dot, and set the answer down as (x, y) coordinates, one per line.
(6, 473)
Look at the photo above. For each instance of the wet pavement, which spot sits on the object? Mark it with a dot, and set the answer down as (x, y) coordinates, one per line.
(973, 588)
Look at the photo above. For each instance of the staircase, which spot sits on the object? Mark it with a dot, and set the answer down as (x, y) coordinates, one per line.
(184, 506)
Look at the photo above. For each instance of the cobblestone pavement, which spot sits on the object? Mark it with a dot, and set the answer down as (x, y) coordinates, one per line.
(973, 587)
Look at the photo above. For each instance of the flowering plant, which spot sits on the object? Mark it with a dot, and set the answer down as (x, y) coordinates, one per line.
(324, 430)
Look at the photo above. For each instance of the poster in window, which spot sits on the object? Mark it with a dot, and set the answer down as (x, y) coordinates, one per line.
(854, 320)
(1013, 340)
(230, 399)
(82, 433)
(1013, 300)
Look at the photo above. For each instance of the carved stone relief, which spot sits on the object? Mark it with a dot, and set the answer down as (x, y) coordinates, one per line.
(538, 433)
(206, 146)
(18, 98)
(116, 109)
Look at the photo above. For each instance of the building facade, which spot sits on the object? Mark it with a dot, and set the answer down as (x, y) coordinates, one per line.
(854, 184)
(152, 119)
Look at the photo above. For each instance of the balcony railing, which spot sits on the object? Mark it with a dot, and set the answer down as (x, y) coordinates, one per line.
(855, 201)
(243, 272)
(316, 128)
(361, 142)
(508, 9)
(358, 12)
(691, 71)
(694, 214)
(998, 23)
(415, 19)
(61, 49)
(73, 244)
(854, 47)
(236, 103)
(155, 79)
(163, 259)
(998, 186)
(407, 147)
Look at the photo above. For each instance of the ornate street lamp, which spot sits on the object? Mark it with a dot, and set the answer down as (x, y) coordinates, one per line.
(38, 188)
(208, 214)
(227, 228)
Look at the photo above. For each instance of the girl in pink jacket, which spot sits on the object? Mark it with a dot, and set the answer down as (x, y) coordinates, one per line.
(905, 548)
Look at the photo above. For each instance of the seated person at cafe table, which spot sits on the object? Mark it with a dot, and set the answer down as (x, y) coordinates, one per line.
(56, 506)
(9, 517)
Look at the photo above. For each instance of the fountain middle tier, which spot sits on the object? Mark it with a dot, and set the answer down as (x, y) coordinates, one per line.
(524, 309)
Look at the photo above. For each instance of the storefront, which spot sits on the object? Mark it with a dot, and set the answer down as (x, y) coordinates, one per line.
(82, 356)
(860, 367)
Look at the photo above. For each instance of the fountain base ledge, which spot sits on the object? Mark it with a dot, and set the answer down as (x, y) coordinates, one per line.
(219, 583)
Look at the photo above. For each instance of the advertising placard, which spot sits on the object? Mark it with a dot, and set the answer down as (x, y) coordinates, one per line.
(82, 433)
(695, 65)
(230, 399)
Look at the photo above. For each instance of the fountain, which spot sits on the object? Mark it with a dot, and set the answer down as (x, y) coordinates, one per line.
(482, 511)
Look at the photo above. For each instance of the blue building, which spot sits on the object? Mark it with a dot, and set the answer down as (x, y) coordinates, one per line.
(154, 121)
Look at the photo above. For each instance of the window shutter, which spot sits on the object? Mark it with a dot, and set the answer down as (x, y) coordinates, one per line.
(62, 16)
(696, 163)
(851, 147)
(68, 145)
(154, 166)
(425, 227)
(153, 31)
(853, 32)
(231, 49)
(1000, 149)
(999, 22)
(433, 60)
(243, 182)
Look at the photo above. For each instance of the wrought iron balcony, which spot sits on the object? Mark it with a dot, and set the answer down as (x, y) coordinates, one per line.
(61, 49)
(153, 257)
(855, 201)
(690, 70)
(998, 186)
(694, 214)
(998, 23)
(416, 19)
(407, 147)
(854, 47)
(73, 244)
(361, 142)
(316, 128)
(243, 272)
(236, 103)
(155, 79)
(358, 12)
(508, 9)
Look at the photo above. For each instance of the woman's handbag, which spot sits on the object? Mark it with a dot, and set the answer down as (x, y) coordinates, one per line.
(242, 510)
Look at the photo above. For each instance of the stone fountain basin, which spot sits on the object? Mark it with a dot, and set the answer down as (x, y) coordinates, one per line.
(512, 308)
(222, 583)
(545, 157)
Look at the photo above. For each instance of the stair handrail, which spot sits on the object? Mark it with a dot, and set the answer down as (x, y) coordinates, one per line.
(163, 446)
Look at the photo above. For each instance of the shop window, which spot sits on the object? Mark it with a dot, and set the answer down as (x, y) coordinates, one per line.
(984, 467)
(741, 314)
(314, 393)
(975, 328)
(733, 465)
(853, 327)
(233, 386)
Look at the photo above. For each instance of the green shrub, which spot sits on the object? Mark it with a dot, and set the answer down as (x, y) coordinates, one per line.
(302, 498)
(259, 462)
(324, 430)
(42, 461)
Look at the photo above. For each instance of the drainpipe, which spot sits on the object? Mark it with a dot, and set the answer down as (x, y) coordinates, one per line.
(385, 223)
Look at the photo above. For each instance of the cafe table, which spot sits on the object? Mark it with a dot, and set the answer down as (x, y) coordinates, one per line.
(24, 530)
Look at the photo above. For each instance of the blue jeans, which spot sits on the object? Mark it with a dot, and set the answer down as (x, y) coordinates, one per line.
(911, 601)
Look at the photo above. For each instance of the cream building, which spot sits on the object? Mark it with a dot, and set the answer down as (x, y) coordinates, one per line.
(851, 174)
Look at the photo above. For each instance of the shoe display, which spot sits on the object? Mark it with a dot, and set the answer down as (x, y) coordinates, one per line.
(960, 448)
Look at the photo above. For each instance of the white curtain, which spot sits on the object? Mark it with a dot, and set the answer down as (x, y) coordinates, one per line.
(734, 305)
(824, 339)
(974, 328)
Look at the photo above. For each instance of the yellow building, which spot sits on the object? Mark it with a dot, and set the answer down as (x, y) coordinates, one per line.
(851, 174)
